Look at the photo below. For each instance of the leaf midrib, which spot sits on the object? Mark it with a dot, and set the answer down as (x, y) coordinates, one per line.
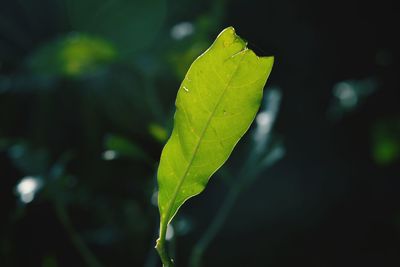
(182, 179)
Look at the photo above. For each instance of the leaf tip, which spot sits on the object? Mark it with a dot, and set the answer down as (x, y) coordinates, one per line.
(268, 63)
(228, 37)
(230, 29)
(270, 59)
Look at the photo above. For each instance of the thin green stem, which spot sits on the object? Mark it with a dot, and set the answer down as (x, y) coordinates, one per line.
(162, 251)
(214, 228)
(243, 181)
(87, 255)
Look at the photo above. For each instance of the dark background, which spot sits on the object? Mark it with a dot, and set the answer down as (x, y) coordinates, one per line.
(78, 78)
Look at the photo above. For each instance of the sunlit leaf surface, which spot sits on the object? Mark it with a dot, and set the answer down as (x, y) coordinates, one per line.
(216, 103)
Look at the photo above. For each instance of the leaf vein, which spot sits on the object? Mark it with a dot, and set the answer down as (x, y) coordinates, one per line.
(182, 179)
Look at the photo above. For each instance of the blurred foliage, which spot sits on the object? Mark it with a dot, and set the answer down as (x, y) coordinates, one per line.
(87, 93)
(386, 141)
(86, 99)
(158, 132)
(349, 95)
(194, 41)
(72, 55)
(49, 261)
(127, 24)
(119, 146)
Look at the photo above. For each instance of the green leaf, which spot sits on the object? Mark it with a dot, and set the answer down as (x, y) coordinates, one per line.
(72, 55)
(385, 141)
(216, 103)
(125, 23)
(158, 132)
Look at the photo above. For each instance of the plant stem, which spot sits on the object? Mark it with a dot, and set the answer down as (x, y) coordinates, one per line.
(152, 258)
(162, 251)
(200, 247)
(242, 182)
(87, 255)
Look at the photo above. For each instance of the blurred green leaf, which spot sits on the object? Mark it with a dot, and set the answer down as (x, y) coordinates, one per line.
(124, 147)
(182, 59)
(73, 55)
(185, 50)
(4, 144)
(215, 105)
(158, 132)
(29, 160)
(129, 25)
(386, 141)
(49, 261)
